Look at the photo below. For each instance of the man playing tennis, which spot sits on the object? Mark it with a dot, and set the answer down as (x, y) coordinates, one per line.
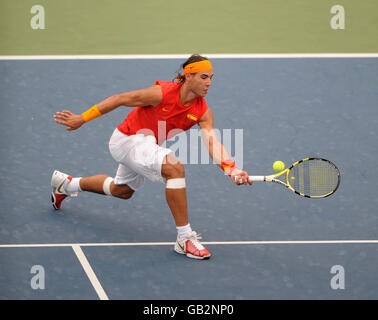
(161, 111)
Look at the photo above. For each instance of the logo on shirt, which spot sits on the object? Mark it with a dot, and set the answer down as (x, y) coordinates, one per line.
(190, 116)
(164, 109)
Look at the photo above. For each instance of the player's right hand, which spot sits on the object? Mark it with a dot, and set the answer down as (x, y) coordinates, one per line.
(70, 120)
(240, 177)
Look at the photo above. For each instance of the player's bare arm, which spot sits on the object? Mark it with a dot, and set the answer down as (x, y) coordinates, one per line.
(151, 96)
(216, 149)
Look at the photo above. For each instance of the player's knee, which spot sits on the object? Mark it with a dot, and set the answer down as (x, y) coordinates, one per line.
(121, 191)
(126, 196)
(173, 169)
(179, 170)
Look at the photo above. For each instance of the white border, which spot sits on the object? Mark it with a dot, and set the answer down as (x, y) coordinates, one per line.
(184, 56)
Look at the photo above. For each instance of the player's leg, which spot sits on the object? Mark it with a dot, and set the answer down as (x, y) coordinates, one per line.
(123, 186)
(175, 192)
(103, 184)
(187, 240)
(64, 186)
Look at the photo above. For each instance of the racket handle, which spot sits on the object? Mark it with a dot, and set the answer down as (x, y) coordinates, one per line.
(257, 178)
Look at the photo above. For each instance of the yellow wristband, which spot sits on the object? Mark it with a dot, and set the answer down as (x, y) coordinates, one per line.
(91, 114)
(228, 166)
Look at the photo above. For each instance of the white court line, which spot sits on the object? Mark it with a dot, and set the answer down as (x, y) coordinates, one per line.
(110, 244)
(90, 273)
(185, 56)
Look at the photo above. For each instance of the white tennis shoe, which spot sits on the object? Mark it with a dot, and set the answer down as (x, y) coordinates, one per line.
(59, 181)
(191, 247)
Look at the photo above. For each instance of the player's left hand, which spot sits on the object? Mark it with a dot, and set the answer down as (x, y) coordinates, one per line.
(240, 177)
(69, 119)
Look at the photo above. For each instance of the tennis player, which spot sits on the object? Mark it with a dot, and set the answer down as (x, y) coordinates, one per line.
(161, 111)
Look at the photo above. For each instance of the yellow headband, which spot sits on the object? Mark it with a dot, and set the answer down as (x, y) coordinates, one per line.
(199, 66)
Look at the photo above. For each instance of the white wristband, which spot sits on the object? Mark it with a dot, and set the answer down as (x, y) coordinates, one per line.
(178, 183)
(106, 186)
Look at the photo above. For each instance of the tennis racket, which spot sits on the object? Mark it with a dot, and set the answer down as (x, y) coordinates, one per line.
(310, 178)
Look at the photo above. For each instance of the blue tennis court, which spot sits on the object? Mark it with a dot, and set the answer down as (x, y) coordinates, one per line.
(266, 242)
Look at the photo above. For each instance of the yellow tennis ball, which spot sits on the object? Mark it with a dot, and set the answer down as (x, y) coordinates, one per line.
(278, 166)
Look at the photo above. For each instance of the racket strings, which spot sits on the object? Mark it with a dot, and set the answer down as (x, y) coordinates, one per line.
(314, 178)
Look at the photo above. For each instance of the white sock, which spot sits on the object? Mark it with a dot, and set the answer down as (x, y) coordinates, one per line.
(73, 186)
(183, 232)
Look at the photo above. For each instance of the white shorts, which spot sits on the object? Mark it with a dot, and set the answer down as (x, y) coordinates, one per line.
(139, 157)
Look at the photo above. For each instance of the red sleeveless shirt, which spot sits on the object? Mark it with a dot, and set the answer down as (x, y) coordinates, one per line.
(166, 119)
